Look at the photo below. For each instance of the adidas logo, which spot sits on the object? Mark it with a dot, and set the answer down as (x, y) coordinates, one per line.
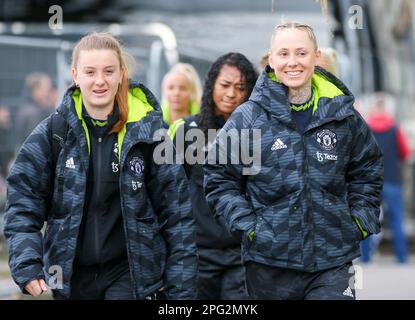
(278, 144)
(348, 292)
(193, 124)
(70, 163)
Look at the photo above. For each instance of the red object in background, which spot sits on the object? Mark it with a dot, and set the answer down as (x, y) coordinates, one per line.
(381, 122)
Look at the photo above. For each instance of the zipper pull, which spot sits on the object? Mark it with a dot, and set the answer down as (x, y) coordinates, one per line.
(59, 139)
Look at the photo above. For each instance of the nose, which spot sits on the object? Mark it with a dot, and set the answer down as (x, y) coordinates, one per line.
(230, 93)
(292, 62)
(175, 91)
(99, 80)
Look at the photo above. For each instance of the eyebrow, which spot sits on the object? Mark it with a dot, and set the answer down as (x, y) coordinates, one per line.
(239, 83)
(296, 49)
(106, 67)
(224, 80)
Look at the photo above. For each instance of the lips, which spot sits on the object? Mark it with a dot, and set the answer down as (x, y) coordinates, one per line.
(228, 104)
(100, 92)
(293, 73)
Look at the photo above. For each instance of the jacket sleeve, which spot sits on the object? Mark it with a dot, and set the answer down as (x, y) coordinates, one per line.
(224, 181)
(364, 176)
(28, 190)
(168, 189)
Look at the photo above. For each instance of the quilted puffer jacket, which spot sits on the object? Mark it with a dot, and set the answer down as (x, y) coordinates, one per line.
(159, 228)
(311, 191)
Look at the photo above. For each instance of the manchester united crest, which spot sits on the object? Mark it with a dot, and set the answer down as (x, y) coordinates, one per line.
(137, 166)
(327, 139)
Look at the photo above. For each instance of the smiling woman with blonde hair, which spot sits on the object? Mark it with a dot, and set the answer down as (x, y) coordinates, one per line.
(317, 191)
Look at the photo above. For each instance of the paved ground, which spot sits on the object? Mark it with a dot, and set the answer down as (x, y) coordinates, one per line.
(386, 280)
(8, 289)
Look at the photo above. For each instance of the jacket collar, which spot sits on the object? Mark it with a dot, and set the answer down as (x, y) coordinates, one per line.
(144, 115)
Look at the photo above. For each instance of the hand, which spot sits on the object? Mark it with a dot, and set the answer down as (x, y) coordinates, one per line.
(36, 287)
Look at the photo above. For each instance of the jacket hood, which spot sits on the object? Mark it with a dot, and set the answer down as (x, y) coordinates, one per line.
(332, 99)
(144, 114)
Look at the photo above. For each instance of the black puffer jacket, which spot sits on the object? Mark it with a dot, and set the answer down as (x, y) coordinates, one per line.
(157, 221)
(210, 233)
(309, 187)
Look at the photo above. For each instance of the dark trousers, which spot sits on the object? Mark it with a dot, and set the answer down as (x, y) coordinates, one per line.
(273, 283)
(108, 282)
(221, 275)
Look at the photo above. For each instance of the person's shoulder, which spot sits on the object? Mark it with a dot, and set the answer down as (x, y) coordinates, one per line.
(357, 124)
(356, 116)
(249, 106)
(43, 127)
(39, 138)
(246, 114)
(185, 124)
(192, 121)
(142, 92)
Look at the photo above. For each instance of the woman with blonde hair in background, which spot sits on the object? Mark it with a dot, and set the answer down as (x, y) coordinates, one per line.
(181, 93)
(329, 61)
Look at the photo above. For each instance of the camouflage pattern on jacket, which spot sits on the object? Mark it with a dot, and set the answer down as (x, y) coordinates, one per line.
(298, 211)
(158, 225)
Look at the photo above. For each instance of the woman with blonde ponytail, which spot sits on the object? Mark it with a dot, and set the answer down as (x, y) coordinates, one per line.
(118, 224)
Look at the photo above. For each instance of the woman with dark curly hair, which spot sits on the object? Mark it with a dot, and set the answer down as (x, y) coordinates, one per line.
(216, 93)
(229, 83)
